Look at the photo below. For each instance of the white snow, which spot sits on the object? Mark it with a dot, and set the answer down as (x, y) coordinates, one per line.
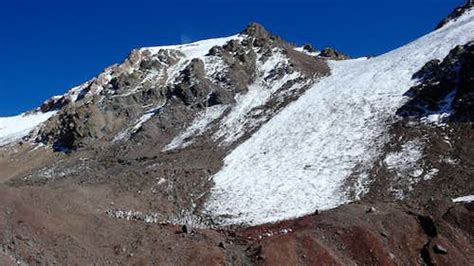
(16, 127)
(196, 49)
(338, 124)
(302, 50)
(147, 115)
(405, 161)
(190, 51)
(469, 198)
(431, 173)
(133, 215)
(198, 126)
(89, 88)
(243, 115)
(233, 124)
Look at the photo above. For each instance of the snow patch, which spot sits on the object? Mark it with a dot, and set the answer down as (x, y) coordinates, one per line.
(133, 215)
(302, 50)
(361, 187)
(406, 166)
(15, 128)
(431, 173)
(196, 49)
(338, 124)
(199, 125)
(405, 162)
(468, 199)
(138, 124)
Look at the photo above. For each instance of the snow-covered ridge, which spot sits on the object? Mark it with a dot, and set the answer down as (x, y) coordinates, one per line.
(189, 51)
(17, 127)
(299, 161)
(195, 49)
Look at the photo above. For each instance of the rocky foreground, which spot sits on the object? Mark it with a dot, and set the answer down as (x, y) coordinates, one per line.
(67, 224)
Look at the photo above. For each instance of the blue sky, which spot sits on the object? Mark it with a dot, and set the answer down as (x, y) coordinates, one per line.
(48, 47)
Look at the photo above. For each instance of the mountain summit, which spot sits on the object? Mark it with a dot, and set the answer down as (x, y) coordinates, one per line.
(173, 84)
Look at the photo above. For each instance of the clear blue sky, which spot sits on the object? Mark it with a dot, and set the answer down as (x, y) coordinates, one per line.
(49, 46)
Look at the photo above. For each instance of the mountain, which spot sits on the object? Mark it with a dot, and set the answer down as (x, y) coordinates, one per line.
(250, 150)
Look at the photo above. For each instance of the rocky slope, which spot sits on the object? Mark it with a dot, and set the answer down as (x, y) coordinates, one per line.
(175, 84)
(184, 154)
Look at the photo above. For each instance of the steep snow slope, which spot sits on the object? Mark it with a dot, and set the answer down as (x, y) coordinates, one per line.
(16, 127)
(299, 160)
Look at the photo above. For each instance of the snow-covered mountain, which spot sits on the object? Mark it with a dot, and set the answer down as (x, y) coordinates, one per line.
(290, 130)
(248, 149)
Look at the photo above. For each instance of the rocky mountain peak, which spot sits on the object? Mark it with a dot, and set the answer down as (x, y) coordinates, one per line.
(456, 13)
(256, 30)
(334, 54)
(181, 81)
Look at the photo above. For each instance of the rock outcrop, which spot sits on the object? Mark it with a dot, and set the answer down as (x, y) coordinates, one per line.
(445, 88)
(456, 13)
(333, 54)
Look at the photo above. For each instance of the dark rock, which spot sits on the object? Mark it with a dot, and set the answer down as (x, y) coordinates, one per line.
(53, 104)
(428, 225)
(231, 46)
(187, 229)
(309, 48)
(213, 99)
(456, 13)
(425, 254)
(428, 71)
(216, 51)
(446, 86)
(333, 54)
(256, 30)
(371, 210)
(221, 245)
